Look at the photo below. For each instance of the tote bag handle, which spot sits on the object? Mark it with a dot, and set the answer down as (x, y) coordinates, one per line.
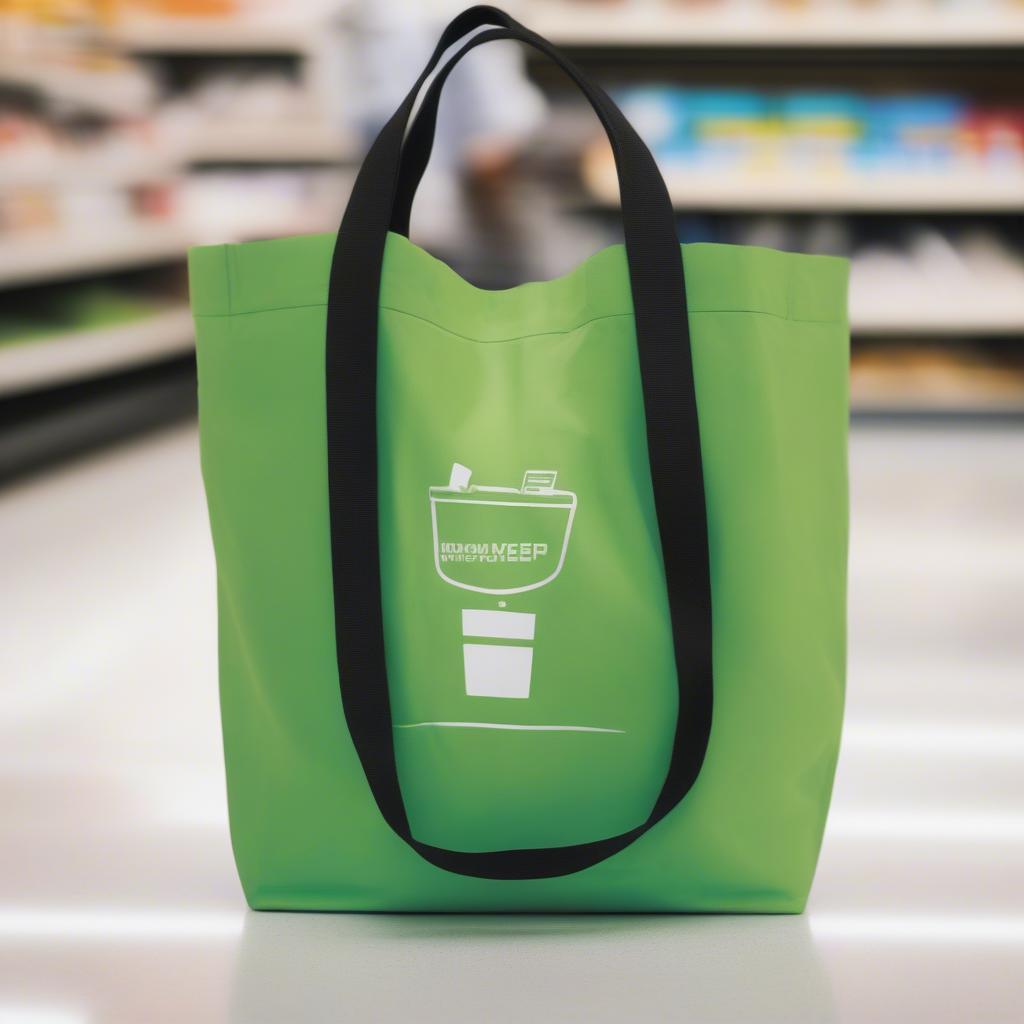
(673, 441)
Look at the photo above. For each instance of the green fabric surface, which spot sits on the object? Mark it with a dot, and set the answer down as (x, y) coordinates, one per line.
(539, 377)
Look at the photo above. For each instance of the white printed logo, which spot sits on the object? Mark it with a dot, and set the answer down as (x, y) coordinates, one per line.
(500, 540)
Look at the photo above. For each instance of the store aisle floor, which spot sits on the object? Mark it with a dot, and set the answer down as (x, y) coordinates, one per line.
(118, 900)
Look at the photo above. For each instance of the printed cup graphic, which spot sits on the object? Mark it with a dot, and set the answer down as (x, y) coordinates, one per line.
(500, 540)
(496, 669)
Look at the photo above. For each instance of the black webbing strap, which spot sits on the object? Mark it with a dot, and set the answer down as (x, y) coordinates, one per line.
(673, 439)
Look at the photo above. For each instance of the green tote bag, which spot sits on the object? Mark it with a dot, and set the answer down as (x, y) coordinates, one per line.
(530, 600)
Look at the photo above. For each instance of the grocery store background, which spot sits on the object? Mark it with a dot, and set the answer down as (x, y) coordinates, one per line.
(888, 131)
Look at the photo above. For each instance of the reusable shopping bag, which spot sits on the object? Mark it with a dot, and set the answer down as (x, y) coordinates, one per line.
(529, 599)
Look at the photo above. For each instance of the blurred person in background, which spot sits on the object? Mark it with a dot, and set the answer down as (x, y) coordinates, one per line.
(489, 113)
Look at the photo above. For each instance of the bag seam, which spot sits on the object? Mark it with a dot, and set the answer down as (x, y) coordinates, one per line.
(522, 337)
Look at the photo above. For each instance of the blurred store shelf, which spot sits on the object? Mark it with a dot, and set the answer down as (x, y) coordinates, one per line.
(52, 170)
(935, 379)
(58, 359)
(268, 142)
(220, 35)
(790, 191)
(906, 403)
(938, 314)
(633, 24)
(253, 227)
(108, 89)
(225, 129)
(47, 255)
